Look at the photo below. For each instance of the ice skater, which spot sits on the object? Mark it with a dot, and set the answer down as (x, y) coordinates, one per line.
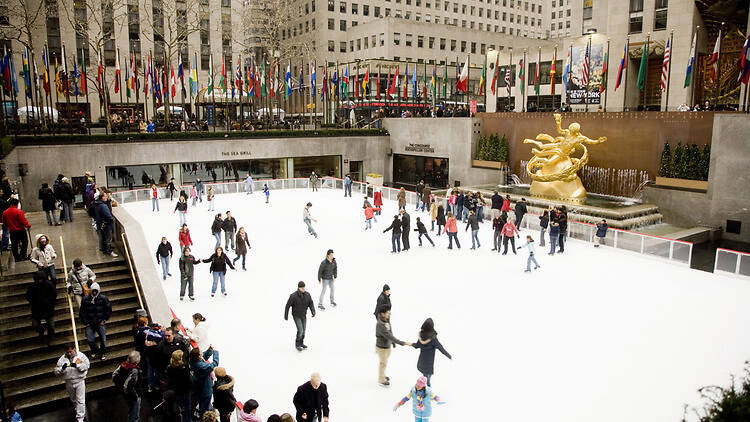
(194, 195)
(243, 244)
(543, 224)
(211, 199)
(369, 215)
(249, 184)
(433, 214)
(184, 236)
(473, 223)
(405, 228)
(219, 262)
(199, 189)
(163, 255)
(377, 201)
(601, 232)
(216, 229)
(186, 263)
(327, 273)
(562, 220)
(229, 225)
(347, 186)
(422, 230)
(395, 229)
(401, 196)
(383, 299)
(307, 218)
(509, 229)
(554, 234)
(171, 188)
(299, 302)
(181, 210)
(497, 231)
(314, 181)
(520, 211)
(266, 191)
(530, 246)
(384, 341)
(451, 227)
(440, 219)
(427, 343)
(422, 397)
(154, 198)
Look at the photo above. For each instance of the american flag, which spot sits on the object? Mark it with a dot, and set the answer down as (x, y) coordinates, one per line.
(507, 79)
(586, 59)
(664, 67)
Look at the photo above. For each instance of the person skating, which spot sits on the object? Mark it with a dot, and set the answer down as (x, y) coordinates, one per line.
(601, 232)
(194, 195)
(307, 219)
(211, 199)
(369, 215)
(224, 400)
(163, 256)
(171, 188)
(377, 201)
(313, 181)
(184, 236)
(15, 220)
(154, 198)
(219, 262)
(451, 227)
(243, 244)
(395, 229)
(299, 302)
(311, 400)
(229, 225)
(427, 343)
(531, 247)
(73, 367)
(41, 295)
(249, 184)
(481, 203)
(266, 192)
(474, 225)
(47, 196)
(418, 190)
(202, 381)
(128, 380)
(497, 232)
(327, 273)
(422, 397)
(384, 299)
(94, 313)
(43, 255)
(440, 219)
(426, 198)
(520, 211)
(433, 214)
(199, 189)
(543, 224)
(562, 220)
(347, 186)
(216, 229)
(422, 230)
(80, 278)
(405, 229)
(509, 229)
(186, 264)
(506, 204)
(384, 340)
(496, 202)
(460, 198)
(554, 235)
(181, 210)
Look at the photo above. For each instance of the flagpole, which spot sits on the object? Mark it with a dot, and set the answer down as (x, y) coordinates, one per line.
(669, 69)
(552, 79)
(66, 88)
(523, 84)
(626, 70)
(119, 74)
(510, 80)
(34, 93)
(693, 73)
(717, 87)
(537, 81)
(605, 79)
(313, 91)
(587, 58)
(213, 89)
(645, 76)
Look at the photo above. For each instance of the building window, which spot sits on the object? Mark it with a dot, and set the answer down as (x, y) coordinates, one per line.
(420, 41)
(463, 46)
(636, 6)
(382, 39)
(473, 48)
(377, 11)
(342, 25)
(587, 13)
(354, 23)
(367, 43)
(331, 5)
(408, 40)
(636, 23)
(396, 38)
(312, 5)
(355, 9)
(660, 15)
(387, 12)
(359, 44)
(342, 7)
(331, 24)
(453, 45)
(331, 45)
(431, 42)
(366, 10)
(442, 43)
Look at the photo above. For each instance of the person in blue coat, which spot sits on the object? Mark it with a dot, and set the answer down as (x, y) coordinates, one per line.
(422, 397)
(601, 233)
(203, 385)
(554, 233)
(347, 186)
(249, 184)
(427, 343)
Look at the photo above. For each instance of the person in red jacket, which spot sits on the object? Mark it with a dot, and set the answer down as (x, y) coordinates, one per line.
(506, 204)
(369, 215)
(377, 201)
(451, 227)
(508, 230)
(15, 220)
(185, 240)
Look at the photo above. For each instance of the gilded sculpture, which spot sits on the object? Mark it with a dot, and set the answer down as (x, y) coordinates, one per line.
(553, 171)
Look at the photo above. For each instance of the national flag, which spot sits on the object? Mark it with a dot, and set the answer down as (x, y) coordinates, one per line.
(288, 79)
(507, 79)
(433, 81)
(273, 85)
(624, 64)
(13, 79)
(521, 76)
(643, 68)
(714, 60)
(117, 70)
(26, 73)
(552, 72)
(64, 77)
(223, 80)
(5, 69)
(691, 62)
(605, 72)
(251, 80)
(84, 83)
(743, 62)
(36, 77)
(445, 79)
(335, 82)
(58, 80)
(194, 75)
(424, 81)
(100, 76)
(210, 86)
(313, 82)
(586, 64)
(172, 82)
(566, 72)
(45, 75)
(366, 81)
(75, 77)
(324, 86)
(356, 84)
(497, 71)
(665, 67)
(262, 80)
(345, 82)
(127, 77)
(406, 80)
(257, 83)
(414, 82)
(537, 71)
(481, 78)
(301, 79)
(392, 85)
(181, 75)
(377, 84)
(147, 76)
(463, 79)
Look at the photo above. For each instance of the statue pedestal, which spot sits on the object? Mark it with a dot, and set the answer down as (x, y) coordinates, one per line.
(559, 189)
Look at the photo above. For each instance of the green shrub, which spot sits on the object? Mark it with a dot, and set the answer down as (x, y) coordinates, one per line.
(704, 162)
(725, 404)
(504, 150)
(665, 169)
(676, 161)
(693, 157)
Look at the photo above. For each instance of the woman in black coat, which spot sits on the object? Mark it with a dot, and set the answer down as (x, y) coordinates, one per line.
(219, 262)
(427, 343)
(48, 204)
(440, 218)
(395, 234)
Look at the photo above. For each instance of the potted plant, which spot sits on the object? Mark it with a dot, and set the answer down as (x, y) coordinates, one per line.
(492, 152)
(685, 166)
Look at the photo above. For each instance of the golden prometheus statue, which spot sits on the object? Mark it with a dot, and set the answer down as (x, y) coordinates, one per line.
(552, 169)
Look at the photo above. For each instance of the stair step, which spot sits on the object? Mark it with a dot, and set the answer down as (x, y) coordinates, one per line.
(39, 386)
(104, 267)
(62, 311)
(61, 395)
(101, 272)
(119, 294)
(20, 288)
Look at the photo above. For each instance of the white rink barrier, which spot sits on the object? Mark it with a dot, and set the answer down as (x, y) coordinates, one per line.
(677, 251)
(734, 262)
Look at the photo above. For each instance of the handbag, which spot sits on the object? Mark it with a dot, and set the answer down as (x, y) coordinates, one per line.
(84, 286)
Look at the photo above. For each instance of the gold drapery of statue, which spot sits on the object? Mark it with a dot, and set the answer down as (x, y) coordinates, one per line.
(552, 169)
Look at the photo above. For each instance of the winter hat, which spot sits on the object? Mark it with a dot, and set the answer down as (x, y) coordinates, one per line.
(95, 286)
(301, 284)
(386, 287)
(421, 382)
(220, 372)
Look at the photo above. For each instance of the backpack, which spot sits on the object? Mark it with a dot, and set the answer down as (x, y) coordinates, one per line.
(119, 377)
(154, 333)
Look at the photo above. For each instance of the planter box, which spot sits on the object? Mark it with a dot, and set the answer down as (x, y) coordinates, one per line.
(375, 181)
(682, 183)
(489, 164)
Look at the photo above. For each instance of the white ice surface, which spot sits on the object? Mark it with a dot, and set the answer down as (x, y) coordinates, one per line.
(594, 335)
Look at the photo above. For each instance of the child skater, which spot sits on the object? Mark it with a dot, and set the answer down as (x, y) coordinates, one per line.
(530, 246)
(369, 215)
(266, 191)
(422, 396)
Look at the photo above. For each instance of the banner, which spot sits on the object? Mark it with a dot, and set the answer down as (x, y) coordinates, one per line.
(576, 91)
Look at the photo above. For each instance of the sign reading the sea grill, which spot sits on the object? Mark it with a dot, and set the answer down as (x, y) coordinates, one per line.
(419, 148)
(235, 153)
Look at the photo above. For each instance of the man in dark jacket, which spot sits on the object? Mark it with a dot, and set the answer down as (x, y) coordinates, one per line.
(48, 204)
(128, 380)
(520, 211)
(311, 400)
(473, 223)
(168, 345)
(299, 302)
(199, 189)
(497, 203)
(405, 228)
(105, 223)
(94, 313)
(229, 225)
(41, 296)
(327, 273)
(419, 190)
(216, 227)
(395, 234)
(384, 340)
(64, 193)
(383, 299)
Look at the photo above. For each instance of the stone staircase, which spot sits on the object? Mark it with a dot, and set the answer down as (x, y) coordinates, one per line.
(27, 364)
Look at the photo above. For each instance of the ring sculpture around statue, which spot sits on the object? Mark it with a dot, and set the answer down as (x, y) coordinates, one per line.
(552, 169)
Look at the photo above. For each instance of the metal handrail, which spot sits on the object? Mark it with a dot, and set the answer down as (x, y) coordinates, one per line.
(132, 273)
(70, 301)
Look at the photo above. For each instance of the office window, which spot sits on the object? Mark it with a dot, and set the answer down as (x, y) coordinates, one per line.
(567, 13)
(398, 13)
(355, 9)
(567, 24)
(431, 42)
(526, 20)
(342, 7)
(372, 41)
(554, 3)
(559, 25)
(463, 23)
(428, 5)
(307, 9)
(342, 47)
(331, 5)
(505, 15)
(408, 40)
(420, 41)
(473, 48)
(587, 13)
(351, 45)
(307, 27)
(418, 3)
(312, 5)
(382, 39)
(354, 23)
(367, 43)
(313, 23)
(407, 15)
(377, 11)
(463, 46)
(359, 44)
(636, 6)
(396, 38)
(455, 7)
(428, 18)
(417, 17)
(331, 45)
(636, 23)
(453, 45)
(472, 10)
(559, 14)
(387, 12)
(366, 10)
(660, 15)
(442, 43)
(342, 25)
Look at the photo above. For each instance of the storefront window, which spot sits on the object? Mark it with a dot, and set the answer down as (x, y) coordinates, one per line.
(323, 166)
(409, 169)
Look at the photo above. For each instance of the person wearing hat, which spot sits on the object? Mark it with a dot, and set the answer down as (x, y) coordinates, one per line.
(43, 255)
(94, 313)
(299, 302)
(422, 397)
(224, 400)
(383, 300)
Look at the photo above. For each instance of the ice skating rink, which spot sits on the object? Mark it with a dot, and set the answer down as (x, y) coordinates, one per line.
(594, 335)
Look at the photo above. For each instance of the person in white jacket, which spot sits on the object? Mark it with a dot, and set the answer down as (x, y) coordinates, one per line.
(307, 218)
(43, 255)
(199, 333)
(73, 367)
(78, 276)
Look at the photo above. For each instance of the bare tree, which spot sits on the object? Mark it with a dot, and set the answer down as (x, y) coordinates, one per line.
(263, 26)
(24, 18)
